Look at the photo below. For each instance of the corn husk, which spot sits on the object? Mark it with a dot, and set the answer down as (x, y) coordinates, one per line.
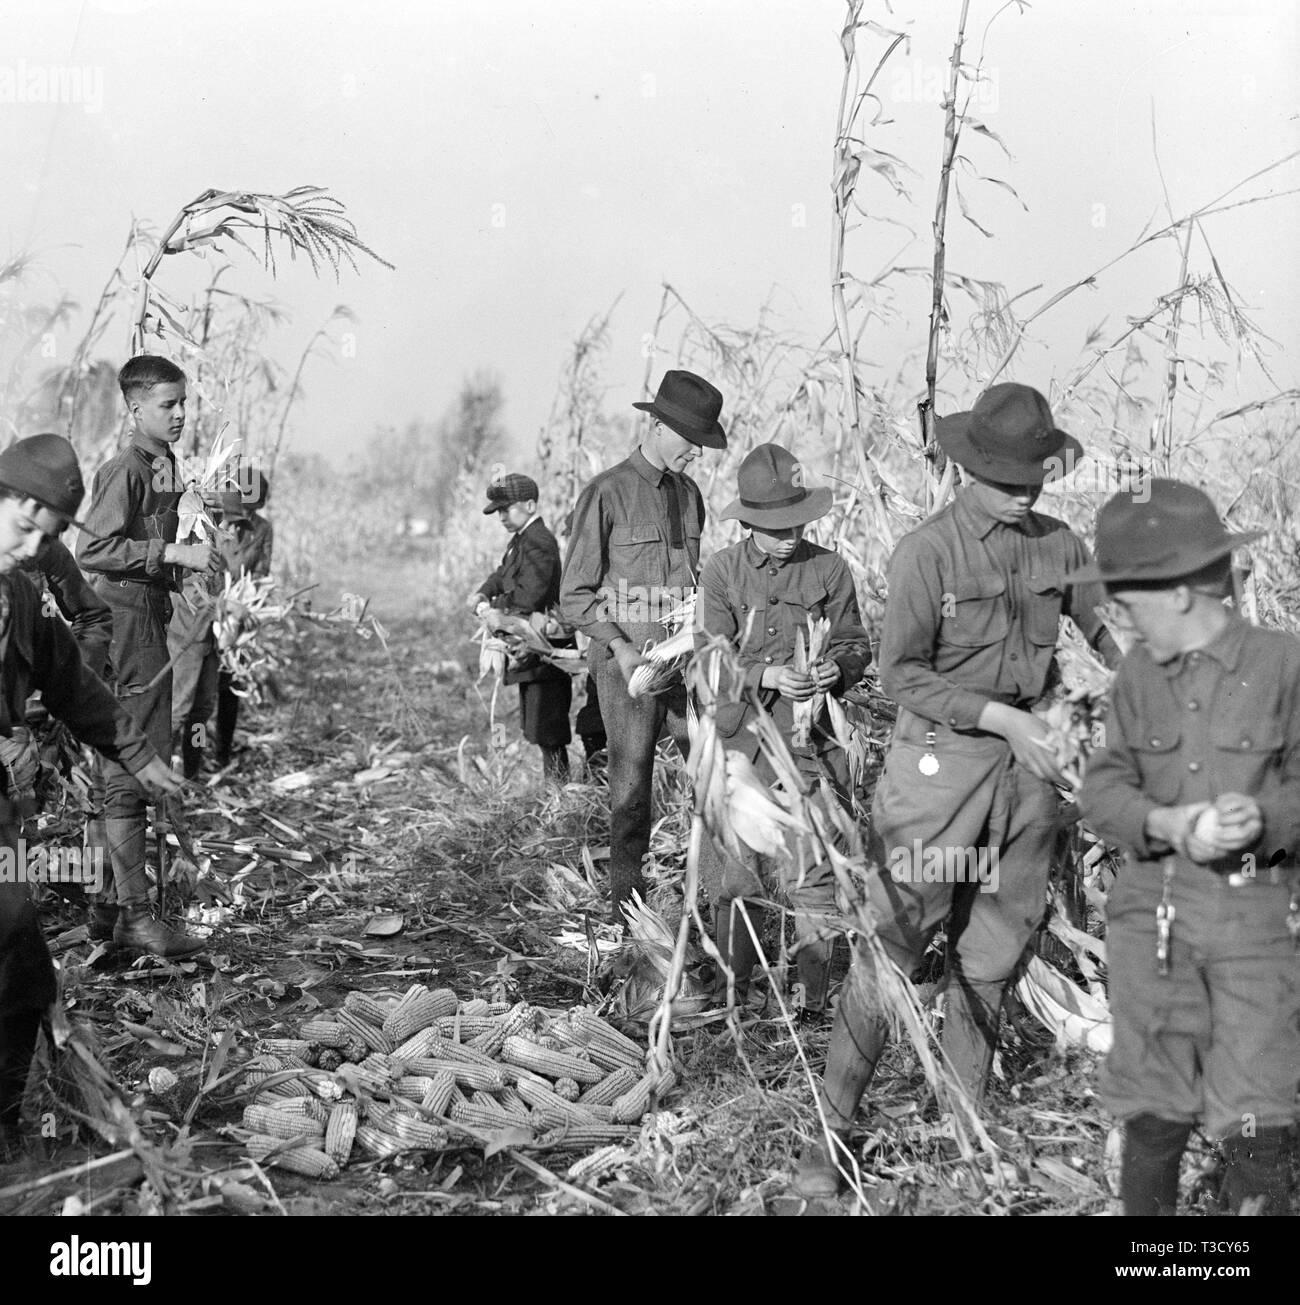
(663, 664)
(807, 654)
(1076, 1018)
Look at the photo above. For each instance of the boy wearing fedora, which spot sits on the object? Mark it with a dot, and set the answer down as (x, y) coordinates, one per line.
(634, 556)
(1199, 781)
(40, 492)
(975, 594)
(130, 547)
(527, 583)
(760, 593)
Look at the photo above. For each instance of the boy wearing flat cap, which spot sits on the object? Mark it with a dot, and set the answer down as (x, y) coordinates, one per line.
(527, 583)
(1199, 780)
(40, 491)
(760, 593)
(975, 597)
(635, 555)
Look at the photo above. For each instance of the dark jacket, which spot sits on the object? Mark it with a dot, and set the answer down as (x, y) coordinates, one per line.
(54, 571)
(527, 581)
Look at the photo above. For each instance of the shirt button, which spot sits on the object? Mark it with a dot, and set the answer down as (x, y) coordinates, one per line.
(771, 570)
(1193, 766)
(1015, 570)
(768, 660)
(1245, 743)
(1015, 657)
(1155, 743)
(1193, 705)
(771, 629)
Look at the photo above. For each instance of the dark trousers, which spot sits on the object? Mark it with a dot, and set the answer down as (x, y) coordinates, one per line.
(929, 833)
(544, 710)
(590, 725)
(228, 702)
(633, 726)
(27, 987)
(194, 683)
(138, 654)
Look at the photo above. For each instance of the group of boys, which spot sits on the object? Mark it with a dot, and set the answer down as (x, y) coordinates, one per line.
(1198, 779)
(70, 640)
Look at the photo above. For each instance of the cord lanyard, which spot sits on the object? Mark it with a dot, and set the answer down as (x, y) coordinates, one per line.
(1165, 920)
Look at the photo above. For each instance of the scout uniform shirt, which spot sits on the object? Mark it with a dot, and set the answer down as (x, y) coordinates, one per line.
(752, 598)
(248, 547)
(973, 612)
(1222, 719)
(133, 510)
(634, 553)
(54, 571)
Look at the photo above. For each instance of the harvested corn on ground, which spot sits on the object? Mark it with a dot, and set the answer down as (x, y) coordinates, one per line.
(428, 1072)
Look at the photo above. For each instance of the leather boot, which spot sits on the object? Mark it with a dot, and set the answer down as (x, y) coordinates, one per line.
(970, 1031)
(1258, 1172)
(138, 930)
(101, 920)
(127, 841)
(1148, 1176)
(737, 948)
(817, 1176)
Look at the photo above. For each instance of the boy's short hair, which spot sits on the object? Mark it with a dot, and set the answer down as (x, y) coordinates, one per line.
(1213, 580)
(146, 370)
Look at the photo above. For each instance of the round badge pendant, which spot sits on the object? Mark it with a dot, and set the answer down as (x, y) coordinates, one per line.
(929, 764)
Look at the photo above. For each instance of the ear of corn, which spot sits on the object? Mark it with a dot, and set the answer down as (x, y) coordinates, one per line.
(377, 1143)
(636, 1101)
(407, 1129)
(578, 1137)
(419, 1044)
(567, 1088)
(310, 1107)
(413, 1087)
(554, 1064)
(488, 1078)
(273, 1123)
(299, 1159)
(540, 1096)
(610, 1088)
(599, 1164)
(460, 1029)
(602, 1031)
(366, 1008)
(340, 1132)
(354, 1049)
(329, 1060)
(444, 1049)
(299, 1047)
(475, 1006)
(438, 1097)
(410, 1017)
(490, 1041)
(362, 1029)
(472, 1116)
(520, 1019)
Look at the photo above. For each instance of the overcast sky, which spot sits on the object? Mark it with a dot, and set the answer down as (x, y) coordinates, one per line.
(522, 164)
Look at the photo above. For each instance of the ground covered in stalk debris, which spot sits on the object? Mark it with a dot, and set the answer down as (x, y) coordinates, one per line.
(371, 839)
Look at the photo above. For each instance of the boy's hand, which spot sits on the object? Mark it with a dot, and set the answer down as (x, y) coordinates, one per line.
(475, 601)
(628, 659)
(1027, 736)
(789, 683)
(193, 557)
(158, 778)
(1175, 827)
(826, 675)
(1240, 822)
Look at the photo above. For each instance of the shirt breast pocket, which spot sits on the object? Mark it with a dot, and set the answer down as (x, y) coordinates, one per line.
(636, 551)
(1245, 750)
(1043, 607)
(974, 611)
(1157, 761)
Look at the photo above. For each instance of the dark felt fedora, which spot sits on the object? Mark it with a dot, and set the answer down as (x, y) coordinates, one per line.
(1163, 531)
(44, 467)
(691, 406)
(1009, 436)
(772, 493)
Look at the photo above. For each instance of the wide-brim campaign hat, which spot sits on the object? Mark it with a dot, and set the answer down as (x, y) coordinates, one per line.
(1009, 436)
(510, 489)
(689, 405)
(1164, 530)
(45, 468)
(772, 493)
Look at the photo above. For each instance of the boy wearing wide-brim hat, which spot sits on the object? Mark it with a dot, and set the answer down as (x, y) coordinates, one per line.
(760, 593)
(975, 596)
(1199, 780)
(527, 583)
(40, 491)
(633, 558)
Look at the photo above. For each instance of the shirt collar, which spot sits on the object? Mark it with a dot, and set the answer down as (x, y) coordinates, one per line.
(537, 516)
(654, 475)
(757, 558)
(972, 518)
(152, 448)
(1225, 648)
